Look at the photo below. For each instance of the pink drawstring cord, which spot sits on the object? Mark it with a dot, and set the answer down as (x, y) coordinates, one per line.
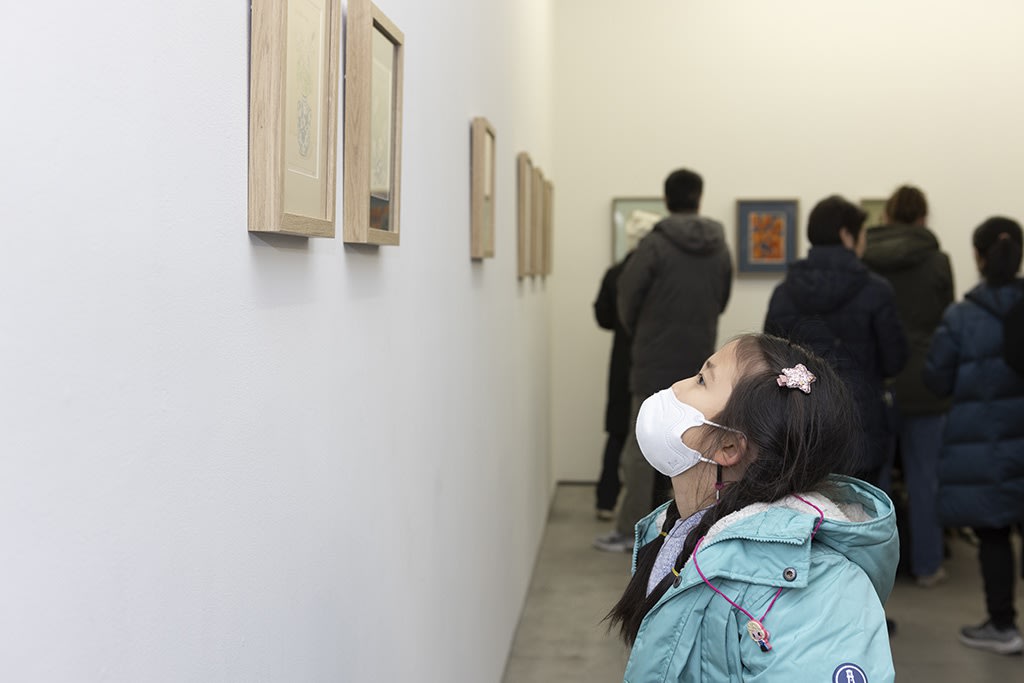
(756, 626)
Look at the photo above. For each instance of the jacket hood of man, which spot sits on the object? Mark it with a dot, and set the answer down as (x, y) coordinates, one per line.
(692, 233)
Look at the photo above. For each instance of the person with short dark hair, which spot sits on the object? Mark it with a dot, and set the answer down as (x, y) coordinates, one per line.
(906, 253)
(831, 303)
(683, 190)
(670, 294)
(981, 467)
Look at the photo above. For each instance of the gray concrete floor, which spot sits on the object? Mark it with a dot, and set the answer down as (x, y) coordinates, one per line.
(561, 638)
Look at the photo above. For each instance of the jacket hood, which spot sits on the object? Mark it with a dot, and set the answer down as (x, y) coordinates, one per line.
(868, 537)
(692, 233)
(824, 281)
(859, 524)
(899, 246)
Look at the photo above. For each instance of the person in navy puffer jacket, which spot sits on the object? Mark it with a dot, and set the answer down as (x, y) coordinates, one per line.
(831, 303)
(981, 467)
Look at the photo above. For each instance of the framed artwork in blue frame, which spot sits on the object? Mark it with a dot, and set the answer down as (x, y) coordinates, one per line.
(766, 234)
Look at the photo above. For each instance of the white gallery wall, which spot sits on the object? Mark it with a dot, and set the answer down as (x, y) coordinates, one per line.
(227, 457)
(784, 99)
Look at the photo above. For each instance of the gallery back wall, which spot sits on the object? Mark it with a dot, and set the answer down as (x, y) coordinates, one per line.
(796, 99)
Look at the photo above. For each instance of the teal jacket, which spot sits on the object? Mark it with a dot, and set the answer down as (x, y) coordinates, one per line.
(828, 616)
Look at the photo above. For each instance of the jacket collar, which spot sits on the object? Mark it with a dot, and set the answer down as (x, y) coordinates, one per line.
(774, 540)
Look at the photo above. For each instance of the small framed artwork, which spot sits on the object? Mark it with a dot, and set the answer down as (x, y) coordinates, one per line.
(537, 223)
(766, 237)
(875, 209)
(549, 218)
(524, 213)
(632, 218)
(481, 224)
(293, 113)
(374, 58)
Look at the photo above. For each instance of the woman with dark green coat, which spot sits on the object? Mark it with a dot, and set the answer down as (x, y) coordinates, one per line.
(906, 253)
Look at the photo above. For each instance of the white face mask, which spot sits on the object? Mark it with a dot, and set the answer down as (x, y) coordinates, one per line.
(660, 425)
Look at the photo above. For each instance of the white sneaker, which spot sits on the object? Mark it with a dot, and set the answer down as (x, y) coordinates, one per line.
(1003, 641)
(614, 542)
(931, 580)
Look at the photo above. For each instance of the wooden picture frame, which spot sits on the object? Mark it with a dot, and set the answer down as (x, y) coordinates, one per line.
(481, 224)
(293, 116)
(537, 223)
(524, 213)
(875, 210)
(549, 219)
(631, 216)
(766, 234)
(374, 60)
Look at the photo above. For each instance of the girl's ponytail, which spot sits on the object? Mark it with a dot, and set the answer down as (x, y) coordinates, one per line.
(998, 242)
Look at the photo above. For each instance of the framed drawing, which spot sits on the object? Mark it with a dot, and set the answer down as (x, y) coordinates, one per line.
(293, 113)
(524, 213)
(875, 209)
(766, 237)
(632, 218)
(481, 223)
(549, 217)
(537, 223)
(374, 57)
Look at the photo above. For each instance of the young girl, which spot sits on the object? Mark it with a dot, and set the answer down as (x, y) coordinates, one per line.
(763, 567)
(981, 466)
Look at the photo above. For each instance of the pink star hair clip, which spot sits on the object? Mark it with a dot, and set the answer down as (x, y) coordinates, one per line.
(796, 378)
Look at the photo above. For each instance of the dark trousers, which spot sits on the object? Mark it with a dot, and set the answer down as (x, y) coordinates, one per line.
(996, 557)
(608, 486)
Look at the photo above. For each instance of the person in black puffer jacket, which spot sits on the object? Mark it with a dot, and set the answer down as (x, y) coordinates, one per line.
(619, 403)
(906, 253)
(981, 467)
(616, 413)
(831, 303)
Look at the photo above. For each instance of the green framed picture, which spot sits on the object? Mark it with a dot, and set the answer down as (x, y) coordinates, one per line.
(632, 218)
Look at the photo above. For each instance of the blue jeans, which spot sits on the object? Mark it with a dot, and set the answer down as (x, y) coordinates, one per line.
(920, 443)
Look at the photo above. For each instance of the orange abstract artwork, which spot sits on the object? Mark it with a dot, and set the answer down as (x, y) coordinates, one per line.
(767, 232)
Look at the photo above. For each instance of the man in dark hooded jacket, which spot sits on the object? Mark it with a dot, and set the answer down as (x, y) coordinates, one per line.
(831, 303)
(671, 292)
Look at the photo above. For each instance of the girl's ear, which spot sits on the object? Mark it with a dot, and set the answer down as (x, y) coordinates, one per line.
(731, 450)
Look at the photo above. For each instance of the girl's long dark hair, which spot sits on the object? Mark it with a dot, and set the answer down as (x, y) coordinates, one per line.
(794, 441)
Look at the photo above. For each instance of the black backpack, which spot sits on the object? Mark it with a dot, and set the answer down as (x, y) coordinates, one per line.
(1013, 332)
